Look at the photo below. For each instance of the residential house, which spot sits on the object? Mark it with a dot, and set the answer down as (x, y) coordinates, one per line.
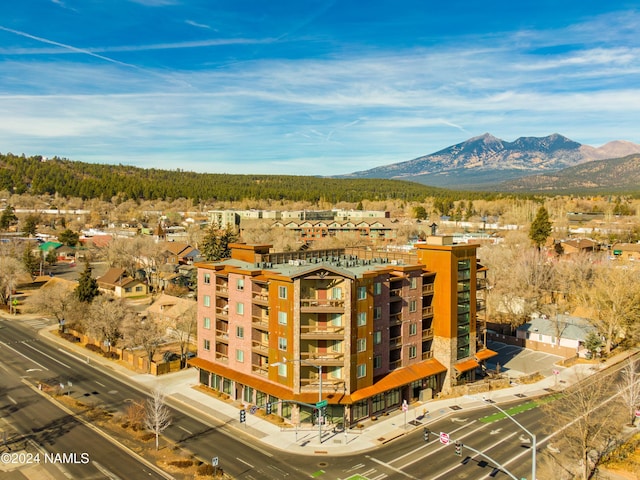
(626, 251)
(116, 282)
(564, 331)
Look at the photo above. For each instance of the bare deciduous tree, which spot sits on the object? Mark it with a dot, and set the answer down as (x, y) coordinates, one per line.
(629, 386)
(56, 299)
(183, 330)
(146, 333)
(11, 270)
(591, 424)
(157, 415)
(105, 319)
(613, 296)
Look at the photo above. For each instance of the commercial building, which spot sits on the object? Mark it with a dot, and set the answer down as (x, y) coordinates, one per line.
(362, 330)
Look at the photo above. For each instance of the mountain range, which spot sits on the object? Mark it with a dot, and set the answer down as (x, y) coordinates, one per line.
(489, 163)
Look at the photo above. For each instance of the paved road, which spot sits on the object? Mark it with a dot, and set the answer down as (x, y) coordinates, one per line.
(39, 432)
(407, 457)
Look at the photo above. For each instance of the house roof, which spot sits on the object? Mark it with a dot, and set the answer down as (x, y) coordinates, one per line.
(177, 248)
(484, 354)
(573, 328)
(466, 365)
(46, 246)
(111, 276)
(170, 306)
(581, 243)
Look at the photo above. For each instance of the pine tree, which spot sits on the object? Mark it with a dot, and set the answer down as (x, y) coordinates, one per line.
(7, 218)
(541, 228)
(87, 288)
(216, 242)
(30, 261)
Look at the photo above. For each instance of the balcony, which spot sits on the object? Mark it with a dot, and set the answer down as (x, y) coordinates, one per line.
(260, 370)
(427, 312)
(260, 322)
(395, 294)
(223, 312)
(317, 305)
(222, 290)
(481, 283)
(222, 358)
(322, 358)
(395, 318)
(395, 342)
(427, 355)
(259, 347)
(261, 297)
(427, 334)
(395, 364)
(222, 335)
(480, 304)
(321, 332)
(427, 289)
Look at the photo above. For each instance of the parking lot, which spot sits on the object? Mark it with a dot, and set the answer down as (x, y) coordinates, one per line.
(516, 361)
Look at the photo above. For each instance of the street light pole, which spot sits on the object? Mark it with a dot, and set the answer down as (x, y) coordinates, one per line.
(532, 435)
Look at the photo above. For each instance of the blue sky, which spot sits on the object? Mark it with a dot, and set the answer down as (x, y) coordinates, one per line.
(309, 87)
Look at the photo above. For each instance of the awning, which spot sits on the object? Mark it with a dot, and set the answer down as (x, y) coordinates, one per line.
(466, 366)
(400, 377)
(484, 354)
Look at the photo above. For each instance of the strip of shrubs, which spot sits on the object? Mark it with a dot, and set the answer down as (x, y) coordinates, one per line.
(95, 348)
(70, 337)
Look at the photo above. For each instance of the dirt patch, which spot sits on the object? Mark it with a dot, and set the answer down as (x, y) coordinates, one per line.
(128, 429)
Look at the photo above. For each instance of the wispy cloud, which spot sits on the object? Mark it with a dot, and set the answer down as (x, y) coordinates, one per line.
(196, 24)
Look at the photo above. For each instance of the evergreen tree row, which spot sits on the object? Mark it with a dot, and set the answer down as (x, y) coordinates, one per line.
(33, 175)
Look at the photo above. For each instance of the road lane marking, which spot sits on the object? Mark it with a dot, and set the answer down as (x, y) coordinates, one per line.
(101, 384)
(182, 428)
(486, 449)
(246, 463)
(12, 400)
(48, 356)
(105, 472)
(392, 468)
(23, 355)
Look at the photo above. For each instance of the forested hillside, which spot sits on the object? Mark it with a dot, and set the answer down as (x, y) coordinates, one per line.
(34, 175)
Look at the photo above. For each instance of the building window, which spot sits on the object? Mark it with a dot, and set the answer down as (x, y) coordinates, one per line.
(362, 293)
(362, 344)
(413, 351)
(413, 305)
(206, 301)
(282, 292)
(138, 289)
(240, 284)
(413, 282)
(377, 288)
(377, 337)
(362, 319)
(336, 346)
(206, 323)
(207, 278)
(336, 293)
(206, 344)
(282, 343)
(377, 313)
(336, 319)
(282, 369)
(240, 308)
(239, 356)
(413, 328)
(377, 361)
(282, 318)
(361, 370)
(239, 332)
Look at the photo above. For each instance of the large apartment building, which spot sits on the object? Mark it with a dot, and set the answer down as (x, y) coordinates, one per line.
(362, 330)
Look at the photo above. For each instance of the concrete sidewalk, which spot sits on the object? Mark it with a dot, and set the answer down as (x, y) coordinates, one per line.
(180, 388)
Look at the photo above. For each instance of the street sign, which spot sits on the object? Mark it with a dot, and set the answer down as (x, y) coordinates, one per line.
(214, 461)
(556, 372)
(322, 403)
(637, 413)
(405, 407)
(253, 410)
(444, 438)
